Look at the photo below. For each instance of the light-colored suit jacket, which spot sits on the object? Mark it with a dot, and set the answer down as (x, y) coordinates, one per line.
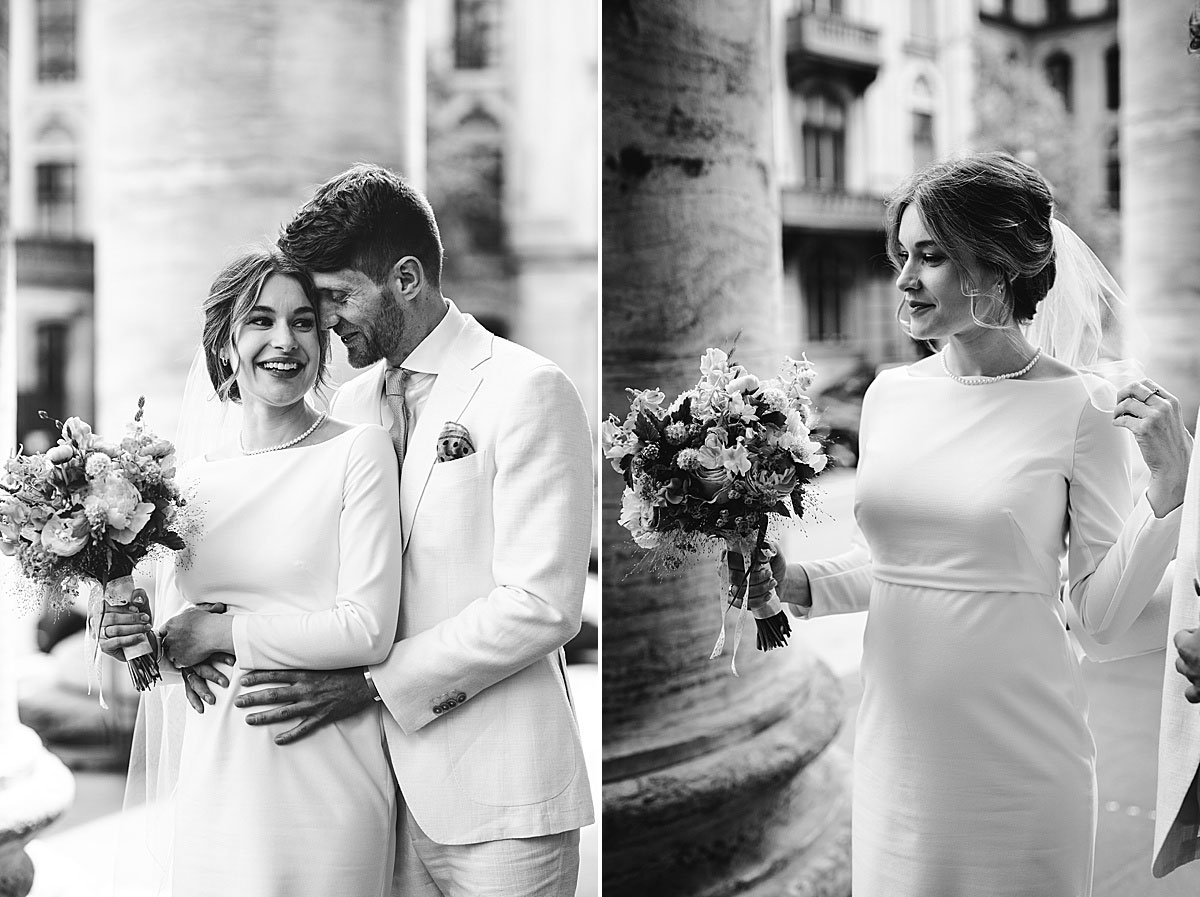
(480, 727)
(1177, 820)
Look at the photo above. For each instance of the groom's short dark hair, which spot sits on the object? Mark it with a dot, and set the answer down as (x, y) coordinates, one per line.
(367, 218)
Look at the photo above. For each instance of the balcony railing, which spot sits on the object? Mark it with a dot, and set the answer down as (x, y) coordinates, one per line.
(824, 44)
(55, 262)
(828, 210)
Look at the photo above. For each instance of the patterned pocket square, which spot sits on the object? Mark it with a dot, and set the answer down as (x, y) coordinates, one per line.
(454, 442)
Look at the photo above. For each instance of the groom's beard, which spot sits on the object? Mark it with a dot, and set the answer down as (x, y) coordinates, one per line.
(383, 336)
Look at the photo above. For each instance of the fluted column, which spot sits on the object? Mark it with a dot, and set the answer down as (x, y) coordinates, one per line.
(215, 121)
(1160, 183)
(713, 785)
(35, 787)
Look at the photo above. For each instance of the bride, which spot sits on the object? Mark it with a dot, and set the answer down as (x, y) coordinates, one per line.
(981, 468)
(300, 520)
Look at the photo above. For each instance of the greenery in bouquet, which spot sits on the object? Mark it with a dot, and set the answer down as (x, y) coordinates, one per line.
(720, 463)
(89, 510)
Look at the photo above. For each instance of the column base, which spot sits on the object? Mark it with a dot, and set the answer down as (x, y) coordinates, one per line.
(35, 789)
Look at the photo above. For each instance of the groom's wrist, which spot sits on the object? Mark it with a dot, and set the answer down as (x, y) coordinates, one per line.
(371, 684)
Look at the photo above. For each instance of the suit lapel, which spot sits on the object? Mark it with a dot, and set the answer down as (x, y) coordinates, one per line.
(456, 384)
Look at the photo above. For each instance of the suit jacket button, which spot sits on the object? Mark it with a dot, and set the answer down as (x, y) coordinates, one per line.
(461, 697)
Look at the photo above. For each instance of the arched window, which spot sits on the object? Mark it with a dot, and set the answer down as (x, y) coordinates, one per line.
(824, 282)
(824, 140)
(923, 143)
(1112, 171)
(1058, 73)
(1112, 77)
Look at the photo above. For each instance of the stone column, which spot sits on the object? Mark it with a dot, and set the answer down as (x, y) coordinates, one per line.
(713, 785)
(215, 121)
(1160, 185)
(35, 787)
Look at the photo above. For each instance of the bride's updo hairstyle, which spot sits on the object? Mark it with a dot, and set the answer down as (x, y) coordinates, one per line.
(233, 294)
(991, 213)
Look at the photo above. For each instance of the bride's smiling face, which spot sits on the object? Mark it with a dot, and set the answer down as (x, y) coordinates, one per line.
(931, 283)
(276, 347)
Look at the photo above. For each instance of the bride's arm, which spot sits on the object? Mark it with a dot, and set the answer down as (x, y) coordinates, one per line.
(1118, 549)
(361, 625)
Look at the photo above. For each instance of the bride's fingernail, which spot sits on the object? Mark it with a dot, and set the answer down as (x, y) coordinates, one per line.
(210, 699)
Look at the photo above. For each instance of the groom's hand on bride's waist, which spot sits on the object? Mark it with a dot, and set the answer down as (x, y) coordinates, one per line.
(315, 697)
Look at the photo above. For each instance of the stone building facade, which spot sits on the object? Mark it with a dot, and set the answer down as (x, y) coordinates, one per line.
(873, 90)
(150, 144)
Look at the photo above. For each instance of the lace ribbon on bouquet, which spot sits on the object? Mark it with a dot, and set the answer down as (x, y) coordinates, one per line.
(767, 610)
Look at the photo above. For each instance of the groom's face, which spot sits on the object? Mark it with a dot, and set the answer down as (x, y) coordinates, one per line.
(367, 317)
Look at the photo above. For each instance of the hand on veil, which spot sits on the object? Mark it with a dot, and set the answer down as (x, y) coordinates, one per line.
(1155, 418)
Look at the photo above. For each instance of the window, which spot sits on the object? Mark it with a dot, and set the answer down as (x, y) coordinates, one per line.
(824, 140)
(821, 7)
(924, 150)
(924, 20)
(1058, 73)
(56, 25)
(823, 279)
(476, 33)
(56, 199)
(52, 367)
(1112, 172)
(1057, 11)
(1112, 77)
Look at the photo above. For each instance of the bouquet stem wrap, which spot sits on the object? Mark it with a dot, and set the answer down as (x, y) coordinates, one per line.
(770, 620)
(140, 658)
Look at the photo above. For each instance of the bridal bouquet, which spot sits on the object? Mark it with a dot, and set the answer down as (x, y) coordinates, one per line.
(718, 464)
(89, 510)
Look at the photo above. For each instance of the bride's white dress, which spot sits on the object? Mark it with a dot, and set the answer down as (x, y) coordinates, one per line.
(302, 545)
(974, 768)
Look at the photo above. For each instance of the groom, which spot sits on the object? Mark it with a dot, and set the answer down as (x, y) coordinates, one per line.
(1177, 819)
(478, 720)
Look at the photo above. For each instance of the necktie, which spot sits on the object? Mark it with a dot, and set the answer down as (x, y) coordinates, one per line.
(394, 383)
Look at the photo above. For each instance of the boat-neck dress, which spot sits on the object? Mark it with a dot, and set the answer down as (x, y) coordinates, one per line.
(303, 547)
(974, 768)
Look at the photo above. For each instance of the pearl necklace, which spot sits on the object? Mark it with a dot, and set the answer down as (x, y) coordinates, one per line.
(274, 448)
(983, 381)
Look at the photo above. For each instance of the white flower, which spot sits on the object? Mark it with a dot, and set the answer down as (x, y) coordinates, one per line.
(714, 368)
(98, 465)
(65, 536)
(775, 399)
(648, 400)
(121, 504)
(617, 441)
(637, 516)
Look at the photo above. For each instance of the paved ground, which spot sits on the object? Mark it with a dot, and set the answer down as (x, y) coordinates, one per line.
(70, 856)
(1124, 719)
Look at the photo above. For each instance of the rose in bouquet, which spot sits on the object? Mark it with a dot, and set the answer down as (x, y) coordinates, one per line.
(88, 510)
(720, 463)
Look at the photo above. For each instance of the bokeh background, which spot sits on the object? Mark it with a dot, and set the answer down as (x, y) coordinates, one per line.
(148, 141)
(747, 149)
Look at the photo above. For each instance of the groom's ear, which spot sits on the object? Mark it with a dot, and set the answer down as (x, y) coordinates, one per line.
(408, 277)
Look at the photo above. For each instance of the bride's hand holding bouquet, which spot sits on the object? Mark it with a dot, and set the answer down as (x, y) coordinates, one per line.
(719, 464)
(87, 511)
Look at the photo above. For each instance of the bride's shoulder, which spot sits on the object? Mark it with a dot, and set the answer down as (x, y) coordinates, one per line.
(1049, 368)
